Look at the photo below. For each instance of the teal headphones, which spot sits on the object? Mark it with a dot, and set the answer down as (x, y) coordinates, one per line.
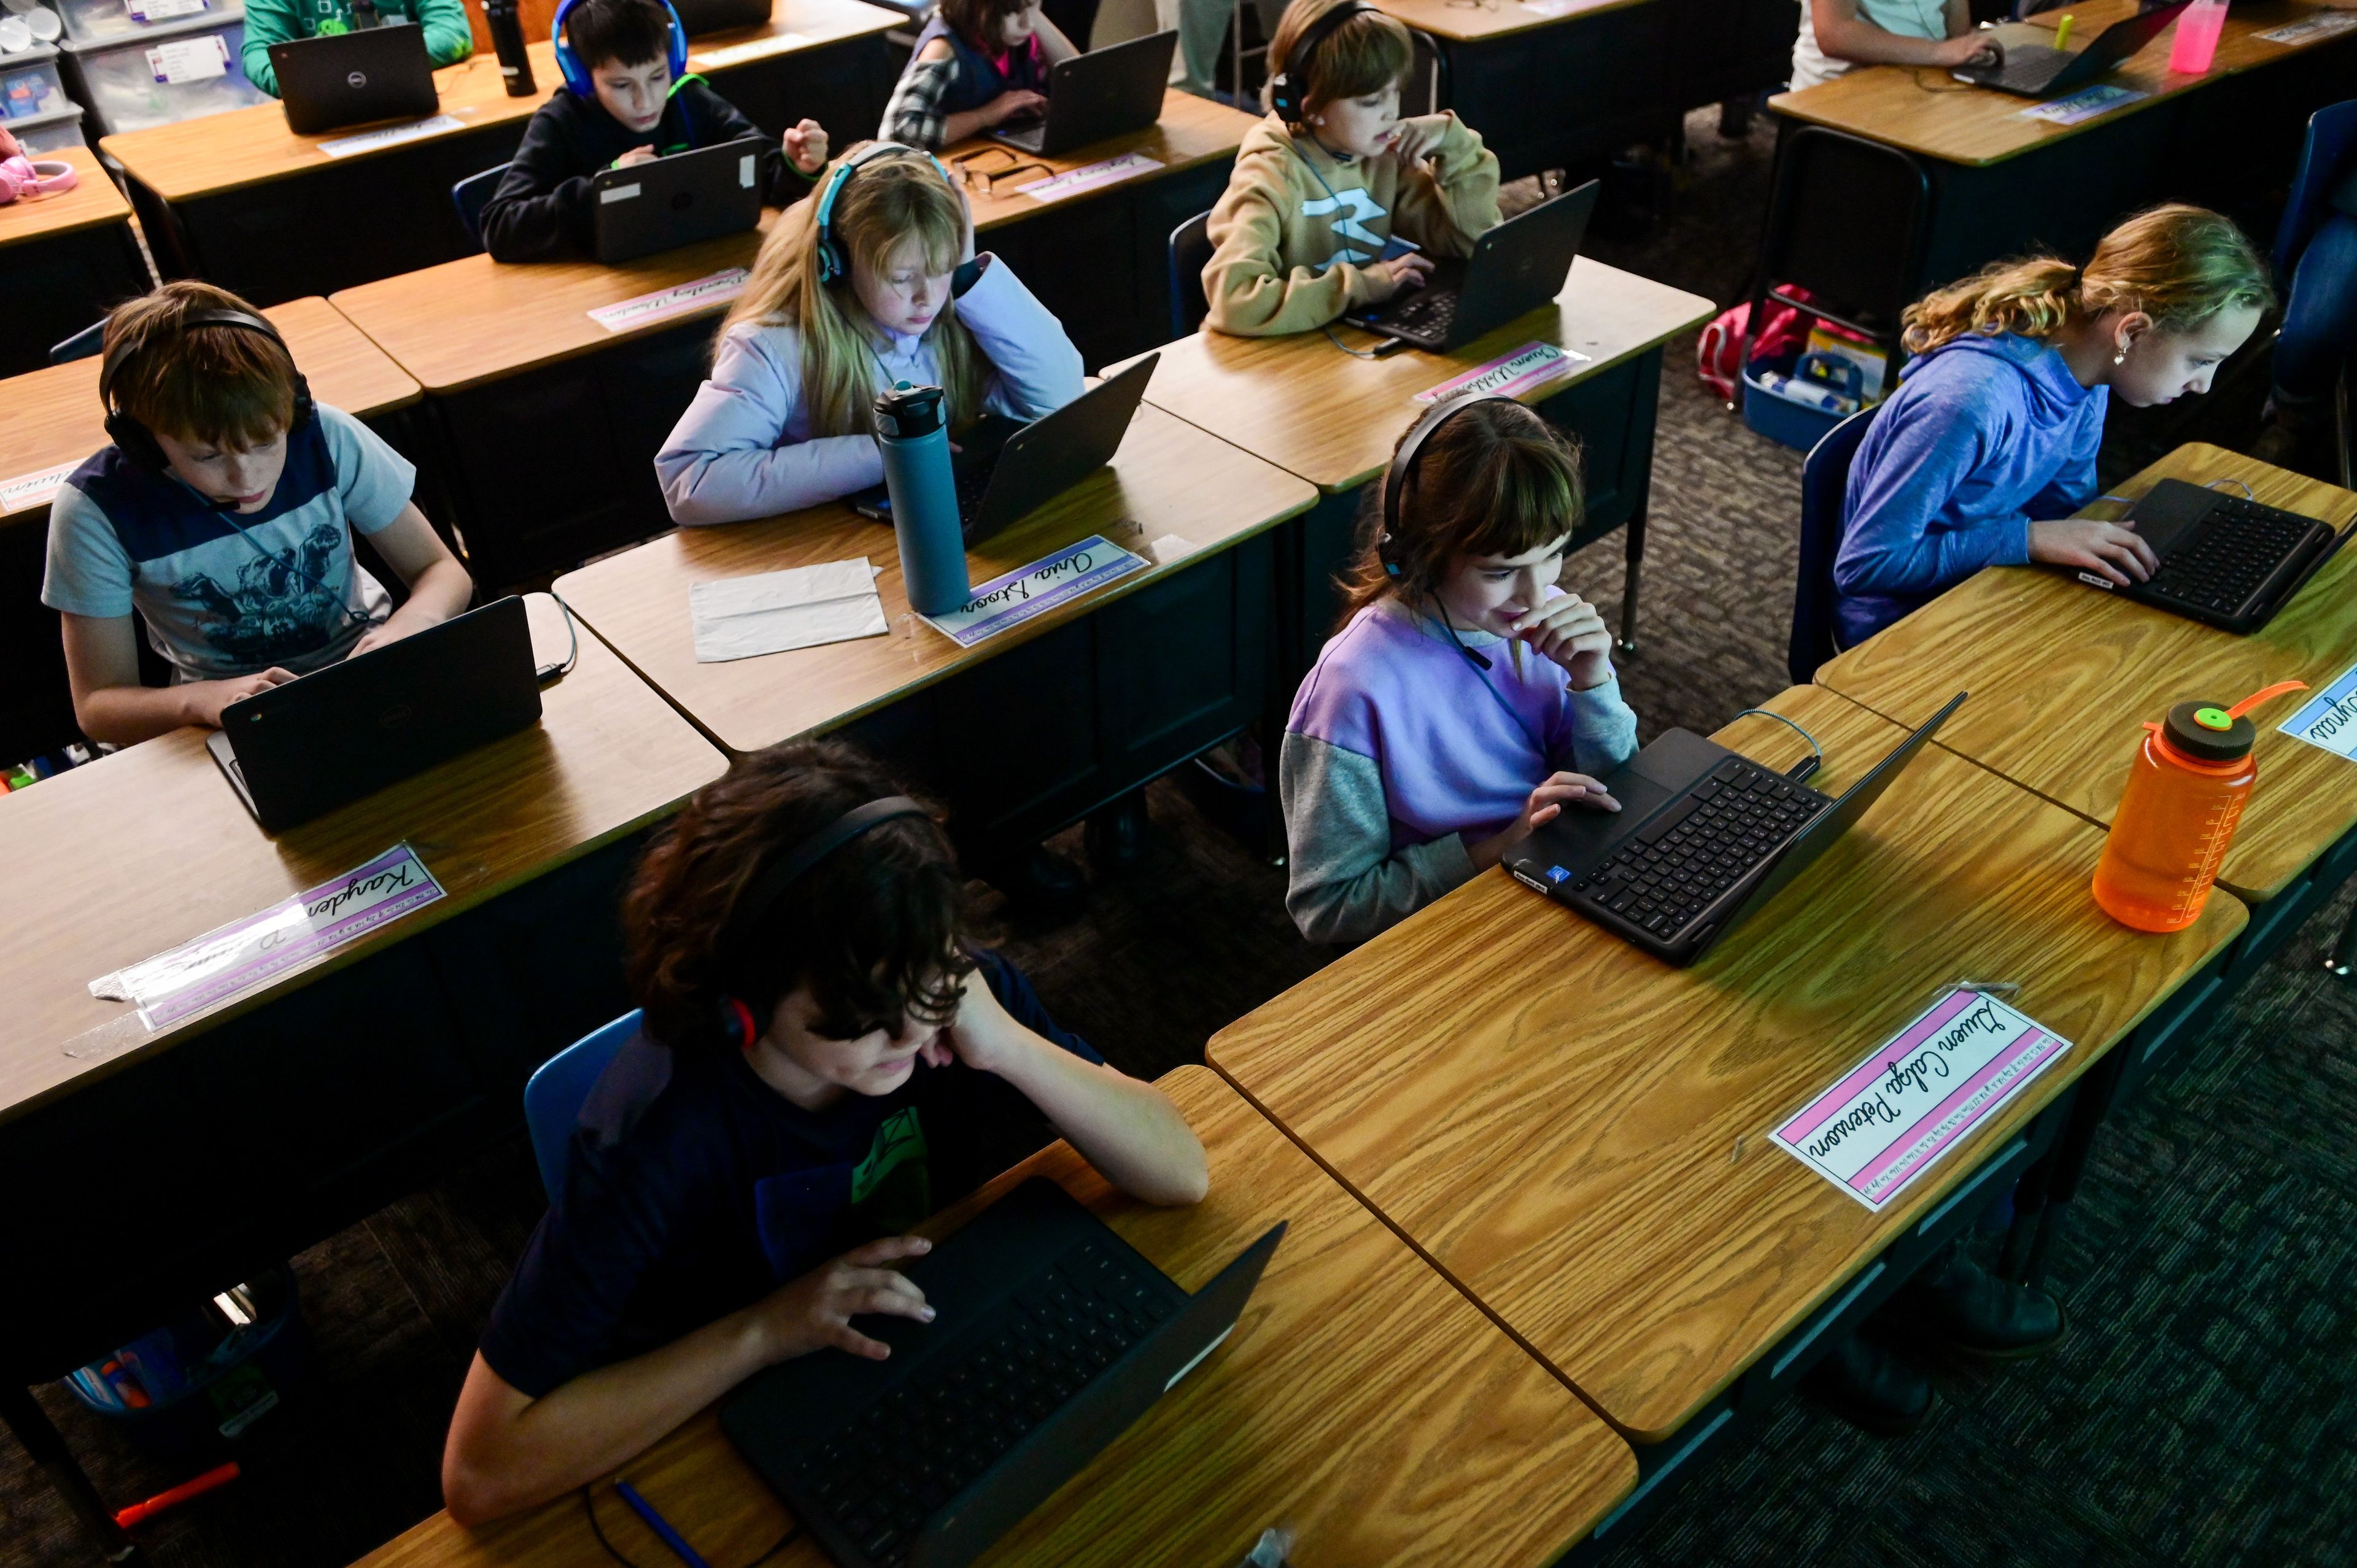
(833, 261)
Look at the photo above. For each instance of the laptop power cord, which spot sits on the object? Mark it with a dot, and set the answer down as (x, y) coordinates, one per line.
(1807, 767)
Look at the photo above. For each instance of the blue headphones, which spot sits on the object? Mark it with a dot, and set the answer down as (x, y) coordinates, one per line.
(576, 75)
(833, 261)
(1288, 87)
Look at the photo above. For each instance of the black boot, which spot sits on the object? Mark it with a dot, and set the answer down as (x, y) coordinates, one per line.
(1953, 1300)
(1118, 834)
(1043, 886)
(1870, 1388)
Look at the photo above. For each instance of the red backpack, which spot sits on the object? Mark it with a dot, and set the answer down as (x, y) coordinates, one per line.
(1718, 357)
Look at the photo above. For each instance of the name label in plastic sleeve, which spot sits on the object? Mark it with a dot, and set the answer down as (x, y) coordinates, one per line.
(27, 491)
(243, 954)
(1917, 1095)
(2330, 719)
(2309, 29)
(2084, 105)
(392, 136)
(1032, 590)
(714, 288)
(189, 60)
(1088, 178)
(1508, 375)
(756, 48)
(146, 11)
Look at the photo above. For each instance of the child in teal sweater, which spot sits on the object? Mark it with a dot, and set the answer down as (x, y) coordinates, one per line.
(448, 38)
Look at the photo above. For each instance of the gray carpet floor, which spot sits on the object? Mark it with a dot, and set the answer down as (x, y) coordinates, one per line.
(2200, 1412)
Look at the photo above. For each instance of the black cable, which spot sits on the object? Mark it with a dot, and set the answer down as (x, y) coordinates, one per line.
(548, 672)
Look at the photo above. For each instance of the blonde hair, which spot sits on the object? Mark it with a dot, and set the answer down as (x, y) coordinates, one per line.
(2178, 264)
(892, 201)
(1365, 54)
(1493, 479)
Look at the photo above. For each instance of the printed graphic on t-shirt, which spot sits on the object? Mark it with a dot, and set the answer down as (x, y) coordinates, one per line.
(1350, 211)
(806, 1216)
(892, 1189)
(277, 607)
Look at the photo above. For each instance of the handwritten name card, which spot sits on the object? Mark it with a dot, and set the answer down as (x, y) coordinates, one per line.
(1088, 177)
(715, 288)
(2330, 719)
(1508, 375)
(1027, 591)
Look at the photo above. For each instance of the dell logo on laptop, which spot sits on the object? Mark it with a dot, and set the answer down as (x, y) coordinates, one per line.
(357, 80)
(396, 715)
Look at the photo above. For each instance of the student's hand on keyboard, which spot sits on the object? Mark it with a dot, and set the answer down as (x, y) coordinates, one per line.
(1967, 48)
(1545, 804)
(2115, 549)
(805, 147)
(1570, 631)
(816, 1310)
(645, 154)
(1385, 279)
(207, 698)
(1016, 103)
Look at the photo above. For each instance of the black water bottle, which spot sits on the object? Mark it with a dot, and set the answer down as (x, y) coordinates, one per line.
(364, 15)
(507, 39)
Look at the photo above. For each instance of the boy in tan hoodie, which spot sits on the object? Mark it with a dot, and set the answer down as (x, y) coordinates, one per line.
(1298, 236)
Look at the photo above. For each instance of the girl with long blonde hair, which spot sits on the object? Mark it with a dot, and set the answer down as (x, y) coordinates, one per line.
(870, 281)
(1988, 446)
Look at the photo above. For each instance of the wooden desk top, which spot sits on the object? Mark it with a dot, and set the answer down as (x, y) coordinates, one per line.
(1552, 1117)
(253, 145)
(1361, 1402)
(1478, 21)
(132, 854)
(2059, 711)
(1303, 405)
(1924, 110)
(474, 320)
(1191, 132)
(88, 205)
(794, 26)
(1169, 478)
(54, 414)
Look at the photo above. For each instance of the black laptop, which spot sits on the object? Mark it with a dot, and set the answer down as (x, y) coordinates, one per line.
(1006, 469)
(1094, 97)
(697, 17)
(2041, 71)
(677, 200)
(351, 79)
(1052, 1336)
(2225, 561)
(1516, 267)
(297, 751)
(1703, 837)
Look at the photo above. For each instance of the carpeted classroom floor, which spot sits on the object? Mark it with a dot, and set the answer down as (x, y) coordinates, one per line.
(2202, 1411)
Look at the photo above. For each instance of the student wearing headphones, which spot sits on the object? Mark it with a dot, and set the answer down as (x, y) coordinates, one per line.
(222, 513)
(1333, 175)
(826, 1059)
(1466, 700)
(627, 99)
(872, 282)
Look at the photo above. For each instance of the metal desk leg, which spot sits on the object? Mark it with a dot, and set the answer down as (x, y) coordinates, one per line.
(42, 1440)
(2067, 1160)
(1636, 527)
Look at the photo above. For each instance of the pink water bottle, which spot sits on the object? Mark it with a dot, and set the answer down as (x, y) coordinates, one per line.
(2198, 26)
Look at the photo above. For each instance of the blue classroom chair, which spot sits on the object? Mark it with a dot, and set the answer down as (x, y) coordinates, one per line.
(1190, 248)
(82, 345)
(1825, 476)
(554, 1096)
(468, 196)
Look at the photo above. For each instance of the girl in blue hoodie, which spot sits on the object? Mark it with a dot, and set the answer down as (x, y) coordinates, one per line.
(1988, 446)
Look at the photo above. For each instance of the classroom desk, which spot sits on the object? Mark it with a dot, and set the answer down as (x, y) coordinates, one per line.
(241, 200)
(1302, 405)
(69, 259)
(2060, 712)
(1360, 1403)
(1121, 683)
(549, 424)
(1576, 1134)
(1568, 83)
(54, 420)
(2002, 182)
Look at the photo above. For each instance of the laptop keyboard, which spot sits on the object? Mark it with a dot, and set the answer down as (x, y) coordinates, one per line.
(972, 481)
(897, 1461)
(1711, 837)
(1426, 311)
(2241, 544)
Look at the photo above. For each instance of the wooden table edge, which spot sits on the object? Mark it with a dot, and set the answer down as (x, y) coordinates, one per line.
(1535, 23)
(87, 167)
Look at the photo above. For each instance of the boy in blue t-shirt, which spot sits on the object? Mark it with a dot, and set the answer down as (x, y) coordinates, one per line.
(223, 513)
(823, 1063)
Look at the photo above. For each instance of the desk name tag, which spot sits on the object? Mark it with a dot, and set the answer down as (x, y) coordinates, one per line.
(2084, 105)
(1027, 591)
(236, 958)
(1918, 1096)
(756, 48)
(392, 136)
(2329, 720)
(714, 288)
(1508, 375)
(2310, 28)
(147, 13)
(27, 491)
(1088, 178)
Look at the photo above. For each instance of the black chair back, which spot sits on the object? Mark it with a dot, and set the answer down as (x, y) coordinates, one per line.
(1824, 478)
(1191, 252)
(1848, 222)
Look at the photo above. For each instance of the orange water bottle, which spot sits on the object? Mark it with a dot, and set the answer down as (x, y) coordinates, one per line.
(2185, 795)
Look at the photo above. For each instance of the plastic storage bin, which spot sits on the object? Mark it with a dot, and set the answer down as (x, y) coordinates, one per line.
(47, 134)
(162, 75)
(111, 21)
(29, 86)
(196, 1385)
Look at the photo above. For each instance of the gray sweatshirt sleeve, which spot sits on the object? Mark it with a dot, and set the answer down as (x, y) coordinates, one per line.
(1346, 882)
(1603, 730)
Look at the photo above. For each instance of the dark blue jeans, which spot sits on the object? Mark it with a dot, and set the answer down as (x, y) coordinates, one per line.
(2319, 325)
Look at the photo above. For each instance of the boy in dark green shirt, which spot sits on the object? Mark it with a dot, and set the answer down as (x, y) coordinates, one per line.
(448, 38)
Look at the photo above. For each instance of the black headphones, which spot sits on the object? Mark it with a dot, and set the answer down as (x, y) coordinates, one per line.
(138, 443)
(761, 896)
(1286, 87)
(1395, 481)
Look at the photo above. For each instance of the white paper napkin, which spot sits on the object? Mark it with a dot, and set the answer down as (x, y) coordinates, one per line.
(740, 617)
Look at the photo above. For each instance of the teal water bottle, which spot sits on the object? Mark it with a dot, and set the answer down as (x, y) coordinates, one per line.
(913, 432)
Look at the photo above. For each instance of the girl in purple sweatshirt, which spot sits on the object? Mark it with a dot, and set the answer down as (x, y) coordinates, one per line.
(1988, 446)
(1466, 700)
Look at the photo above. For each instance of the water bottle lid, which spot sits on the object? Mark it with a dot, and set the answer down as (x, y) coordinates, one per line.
(904, 412)
(2208, 732)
